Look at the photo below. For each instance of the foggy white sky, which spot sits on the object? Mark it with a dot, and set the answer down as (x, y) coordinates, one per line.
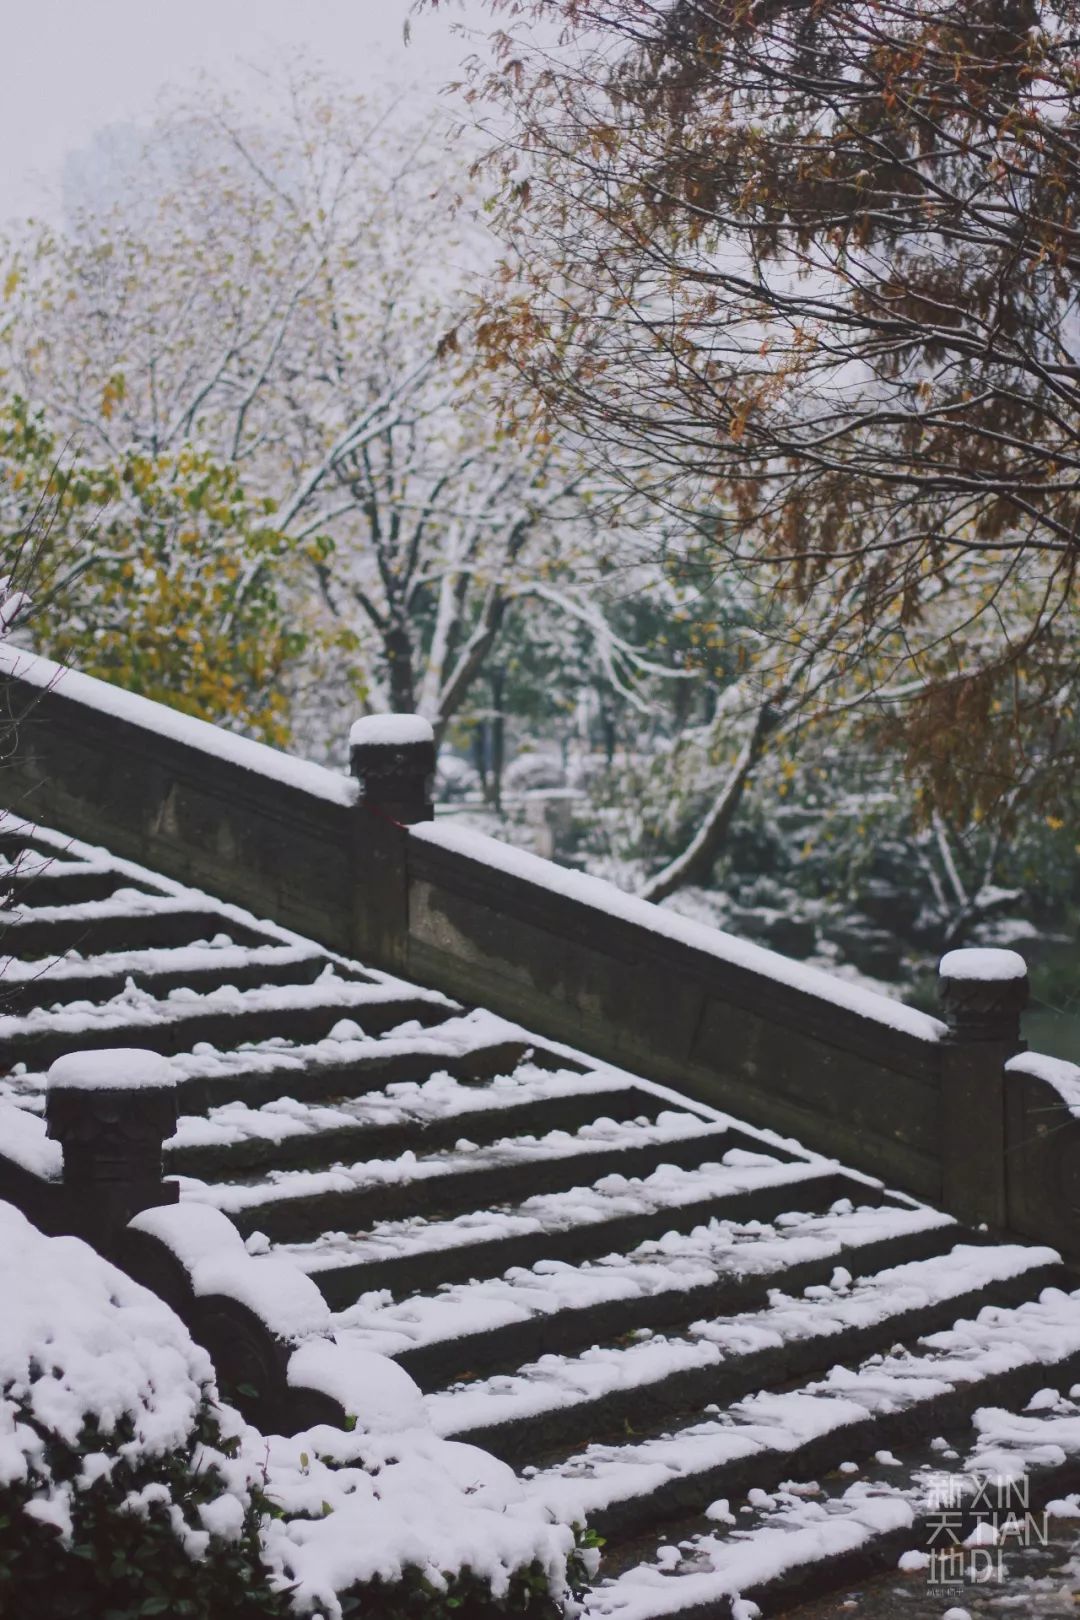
(70, 67)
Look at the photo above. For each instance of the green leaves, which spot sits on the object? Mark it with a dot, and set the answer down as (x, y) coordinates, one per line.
(155, 571)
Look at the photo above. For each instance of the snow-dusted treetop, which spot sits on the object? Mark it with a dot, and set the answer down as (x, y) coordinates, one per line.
(982, 963)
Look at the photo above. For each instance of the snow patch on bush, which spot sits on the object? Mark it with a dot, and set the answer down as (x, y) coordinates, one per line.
(101, 1387)
(79, 1340)
(397, 1503)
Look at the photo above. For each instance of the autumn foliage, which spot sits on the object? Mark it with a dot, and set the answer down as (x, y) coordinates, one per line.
(807, 272)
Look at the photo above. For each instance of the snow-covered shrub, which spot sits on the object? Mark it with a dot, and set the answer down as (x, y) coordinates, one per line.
(405, 1523)
(455, 778)
(118, 1492)
(127, 1488)
(534, 770)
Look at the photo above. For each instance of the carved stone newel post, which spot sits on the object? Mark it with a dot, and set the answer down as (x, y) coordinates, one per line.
(111, 1112)
(392, 757)
(983, 994)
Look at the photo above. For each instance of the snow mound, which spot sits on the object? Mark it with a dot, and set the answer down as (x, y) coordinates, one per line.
(371, 1388)
(392, 729)
(120, 1068)
(79, 1340)
(400, 1503)
(982, 963)
(93, 1364)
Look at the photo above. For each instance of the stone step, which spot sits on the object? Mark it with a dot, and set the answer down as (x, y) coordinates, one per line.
(586, 1222)
(298, 1205)
(1001, 1358)
(646, 1387)
(643, 1309)
(806, 1538)
(47, 881)
(663, 1286)
(334, 1071)
(356, 1068)
(220, 1019)
(386, 1131)
(129, 921)
(53, 983)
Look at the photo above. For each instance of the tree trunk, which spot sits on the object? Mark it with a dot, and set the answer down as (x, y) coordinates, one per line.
(480, 755)
(397, 647)
(498, 736)
(697, 859)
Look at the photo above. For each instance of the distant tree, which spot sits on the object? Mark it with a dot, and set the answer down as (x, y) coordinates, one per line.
(130, 569)
(816, 265)
(259, 347)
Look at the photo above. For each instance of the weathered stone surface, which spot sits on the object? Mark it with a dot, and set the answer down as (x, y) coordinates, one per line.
(928, 1116)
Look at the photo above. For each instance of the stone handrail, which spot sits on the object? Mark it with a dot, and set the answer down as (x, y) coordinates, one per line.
(924, 1104)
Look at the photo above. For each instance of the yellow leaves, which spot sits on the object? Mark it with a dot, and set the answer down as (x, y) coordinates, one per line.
(112, 394)
(739, 417)
(1055, 823)
(181, 601)
(448, 344)
(11, 281)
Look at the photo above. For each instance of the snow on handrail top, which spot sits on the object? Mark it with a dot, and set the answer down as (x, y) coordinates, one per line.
(984, 963)
(105, 698)
(1057, 1072)
(392, 729)
(597, 892)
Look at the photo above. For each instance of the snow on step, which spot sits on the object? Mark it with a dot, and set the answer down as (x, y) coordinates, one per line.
(29, 865)
(1009, 1444)
(612, 1197)
(139, 1009)
(802, 1523)
(402, 1103)
(556, 1382)
(558, 1145)
(998, 1340)
(346, 1047)
(137, 904)
(676, 1262)
(799, 1530)
(218, 954)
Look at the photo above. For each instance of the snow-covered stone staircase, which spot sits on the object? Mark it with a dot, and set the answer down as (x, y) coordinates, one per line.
(736, 1360)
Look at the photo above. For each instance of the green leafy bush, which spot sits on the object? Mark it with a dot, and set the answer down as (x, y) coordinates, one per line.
(133, 1540)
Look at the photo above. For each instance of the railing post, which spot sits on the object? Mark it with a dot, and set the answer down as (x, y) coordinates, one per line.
(983, 994)
(392, 757)
(111, 1111)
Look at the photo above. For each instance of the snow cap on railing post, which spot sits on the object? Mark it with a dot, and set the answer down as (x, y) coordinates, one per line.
(983, 995)
(111, 1111)
(392, 757)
